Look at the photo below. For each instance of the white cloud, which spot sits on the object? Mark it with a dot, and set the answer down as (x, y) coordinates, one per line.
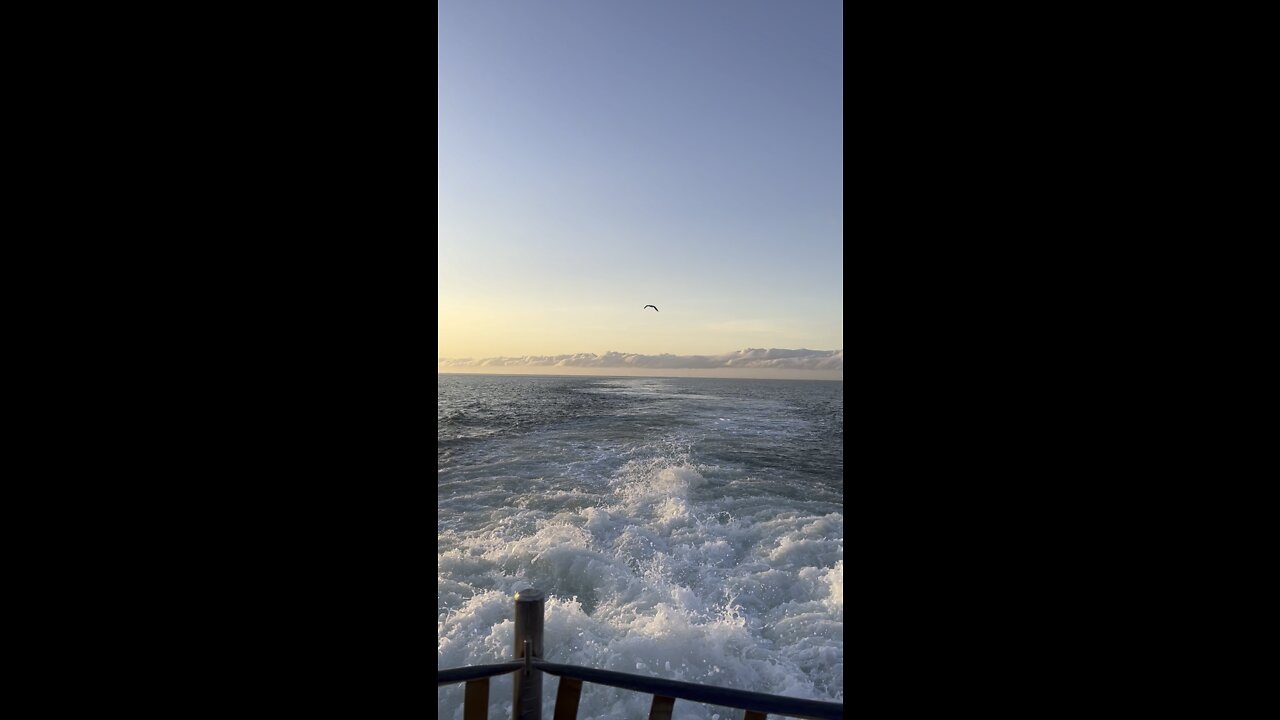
(750, 358)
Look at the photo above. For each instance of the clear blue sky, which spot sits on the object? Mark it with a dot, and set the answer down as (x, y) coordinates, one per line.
(598, 156)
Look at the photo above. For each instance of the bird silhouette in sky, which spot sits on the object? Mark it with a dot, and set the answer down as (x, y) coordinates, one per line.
(655, 307)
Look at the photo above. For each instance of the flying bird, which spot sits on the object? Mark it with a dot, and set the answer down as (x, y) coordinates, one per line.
(655, 307)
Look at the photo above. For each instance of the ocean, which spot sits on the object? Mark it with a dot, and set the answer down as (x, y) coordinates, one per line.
(685, 528)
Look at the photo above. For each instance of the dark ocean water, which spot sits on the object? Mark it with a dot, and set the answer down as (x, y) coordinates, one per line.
(687, 528)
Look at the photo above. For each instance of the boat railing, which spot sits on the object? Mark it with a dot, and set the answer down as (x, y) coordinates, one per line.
(528, 668)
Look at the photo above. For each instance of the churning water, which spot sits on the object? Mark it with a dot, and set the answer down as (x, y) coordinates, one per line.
(683, 528)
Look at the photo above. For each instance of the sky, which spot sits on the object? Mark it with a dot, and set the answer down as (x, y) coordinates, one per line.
(598, 156)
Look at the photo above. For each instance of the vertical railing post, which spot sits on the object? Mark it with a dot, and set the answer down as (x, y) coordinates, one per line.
(527, 689)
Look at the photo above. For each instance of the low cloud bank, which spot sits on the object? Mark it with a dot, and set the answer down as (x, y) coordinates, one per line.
(751, 358)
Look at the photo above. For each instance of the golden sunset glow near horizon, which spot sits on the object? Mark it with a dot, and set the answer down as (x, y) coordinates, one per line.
(597, 158)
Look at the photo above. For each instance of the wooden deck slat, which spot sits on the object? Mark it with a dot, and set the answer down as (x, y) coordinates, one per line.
(475, 704)
(567, 698)
(661, 709)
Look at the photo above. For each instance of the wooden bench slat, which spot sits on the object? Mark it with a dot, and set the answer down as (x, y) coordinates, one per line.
(661, 709)
(567, 698)
(475, 704)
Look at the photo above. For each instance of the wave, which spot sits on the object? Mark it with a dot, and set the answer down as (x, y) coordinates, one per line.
(660, 571)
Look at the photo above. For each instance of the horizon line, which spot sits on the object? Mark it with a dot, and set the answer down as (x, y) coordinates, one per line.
(669, 377)
(778, 359)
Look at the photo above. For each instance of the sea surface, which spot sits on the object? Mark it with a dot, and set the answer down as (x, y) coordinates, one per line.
(685, 528)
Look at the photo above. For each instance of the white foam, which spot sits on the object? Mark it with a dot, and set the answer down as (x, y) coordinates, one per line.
(658, 574)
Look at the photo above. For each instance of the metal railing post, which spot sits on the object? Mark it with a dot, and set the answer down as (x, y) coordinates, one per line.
(527, 686)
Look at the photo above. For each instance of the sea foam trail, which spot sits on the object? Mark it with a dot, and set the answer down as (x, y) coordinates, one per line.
(661, 573)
